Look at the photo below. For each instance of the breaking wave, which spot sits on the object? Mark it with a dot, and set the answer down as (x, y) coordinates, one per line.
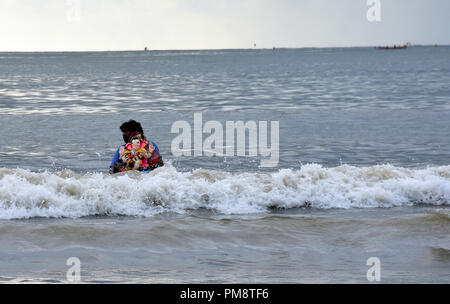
(26, 194)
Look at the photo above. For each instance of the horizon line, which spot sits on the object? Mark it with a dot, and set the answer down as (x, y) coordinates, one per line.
(218, 49)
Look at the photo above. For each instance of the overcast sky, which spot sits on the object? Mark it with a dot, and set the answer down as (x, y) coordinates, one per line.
(63, 25)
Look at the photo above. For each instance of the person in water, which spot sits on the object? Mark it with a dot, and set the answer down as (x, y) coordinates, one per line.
(138, 153)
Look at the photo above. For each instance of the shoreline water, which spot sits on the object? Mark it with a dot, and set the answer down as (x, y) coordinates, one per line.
(328, 246)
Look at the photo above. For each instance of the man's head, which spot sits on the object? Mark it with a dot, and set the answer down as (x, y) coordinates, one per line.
(129, 128)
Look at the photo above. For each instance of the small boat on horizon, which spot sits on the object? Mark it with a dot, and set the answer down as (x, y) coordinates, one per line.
(395, 47)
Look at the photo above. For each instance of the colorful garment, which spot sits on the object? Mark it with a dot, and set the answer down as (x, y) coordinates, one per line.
(138, 154)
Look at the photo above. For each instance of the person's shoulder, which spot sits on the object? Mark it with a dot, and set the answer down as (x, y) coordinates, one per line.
(152, 143)
(149, 141)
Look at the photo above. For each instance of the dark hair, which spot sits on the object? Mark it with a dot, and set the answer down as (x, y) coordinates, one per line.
(132, 126)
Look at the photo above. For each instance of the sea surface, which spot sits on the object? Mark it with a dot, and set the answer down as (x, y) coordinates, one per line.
(363, 167)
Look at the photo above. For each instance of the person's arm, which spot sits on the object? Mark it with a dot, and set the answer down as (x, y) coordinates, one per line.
(115, 159)
(155, 160)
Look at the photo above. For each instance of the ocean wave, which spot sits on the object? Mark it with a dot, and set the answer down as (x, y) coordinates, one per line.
(26, 194)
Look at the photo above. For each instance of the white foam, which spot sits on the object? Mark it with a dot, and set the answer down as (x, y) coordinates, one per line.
(25, 194)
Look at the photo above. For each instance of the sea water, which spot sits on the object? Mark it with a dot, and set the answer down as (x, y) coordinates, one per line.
(363, 169)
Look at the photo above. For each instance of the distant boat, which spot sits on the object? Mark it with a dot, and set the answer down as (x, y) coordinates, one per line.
(395, 47)
(145, 49)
